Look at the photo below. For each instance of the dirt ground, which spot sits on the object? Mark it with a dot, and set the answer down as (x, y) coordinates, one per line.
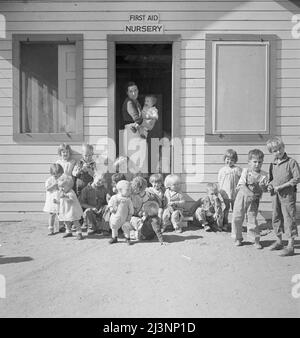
(197, 274)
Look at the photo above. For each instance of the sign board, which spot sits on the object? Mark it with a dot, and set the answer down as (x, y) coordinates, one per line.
(144, 23)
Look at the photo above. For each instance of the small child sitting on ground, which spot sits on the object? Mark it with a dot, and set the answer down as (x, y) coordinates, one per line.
(251, 185)
(208, 210)
(149, 116)
(157, 191)
(173, 203)
(150, 224)
(93, 199)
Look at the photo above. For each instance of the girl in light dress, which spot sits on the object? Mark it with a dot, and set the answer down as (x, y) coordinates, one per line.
(50, 206)
(65, 158)
(228, 178)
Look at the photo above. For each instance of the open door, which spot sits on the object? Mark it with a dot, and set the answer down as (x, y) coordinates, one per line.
(152, 62)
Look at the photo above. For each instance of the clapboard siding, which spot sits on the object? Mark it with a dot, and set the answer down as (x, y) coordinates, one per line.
(24, 168)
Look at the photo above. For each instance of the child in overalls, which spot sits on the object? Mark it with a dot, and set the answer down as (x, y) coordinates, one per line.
(251, 185)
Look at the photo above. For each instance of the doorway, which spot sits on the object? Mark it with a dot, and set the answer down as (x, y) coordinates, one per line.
(153, 64)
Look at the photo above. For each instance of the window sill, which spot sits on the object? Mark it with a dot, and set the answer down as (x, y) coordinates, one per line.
(234, 138)
(47, 138)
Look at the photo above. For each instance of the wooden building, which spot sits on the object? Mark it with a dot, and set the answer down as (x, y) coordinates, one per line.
(226, 73)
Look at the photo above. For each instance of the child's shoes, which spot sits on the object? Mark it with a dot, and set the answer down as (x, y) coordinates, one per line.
(68, 234)
(206, 227)
(287, 251)
(113, 240)
(128, 241)
(79, 236)
(276, 246)
(257, 245)
(62, 229)
(238, 242)
(179, 230)
(51, 233)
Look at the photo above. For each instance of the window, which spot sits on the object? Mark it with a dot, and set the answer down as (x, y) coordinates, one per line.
(47, 96)
(240, 87)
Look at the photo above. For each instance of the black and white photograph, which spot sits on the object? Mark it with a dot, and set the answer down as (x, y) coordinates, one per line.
(149, 161)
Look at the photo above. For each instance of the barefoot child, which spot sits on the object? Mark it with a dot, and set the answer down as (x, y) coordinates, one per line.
(228, 178)
(50, 206)
(284, 175)
(251, 185)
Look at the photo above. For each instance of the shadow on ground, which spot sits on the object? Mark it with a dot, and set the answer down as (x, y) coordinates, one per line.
(9, 260)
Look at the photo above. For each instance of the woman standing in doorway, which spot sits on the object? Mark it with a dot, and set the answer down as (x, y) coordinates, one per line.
(134, 146)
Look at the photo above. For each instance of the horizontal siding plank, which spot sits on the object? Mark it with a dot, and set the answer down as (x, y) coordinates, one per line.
(138, 6)
(17, 196)
(170, 15)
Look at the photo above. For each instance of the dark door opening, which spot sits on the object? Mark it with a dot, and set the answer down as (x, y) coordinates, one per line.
(150, 67)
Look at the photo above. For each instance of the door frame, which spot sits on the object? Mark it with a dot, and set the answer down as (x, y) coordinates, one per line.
(112, 40)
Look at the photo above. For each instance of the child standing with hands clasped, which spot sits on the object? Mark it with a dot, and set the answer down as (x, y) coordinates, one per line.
(228, 178)
(251, 185)
(70, 211)
(121, 210)
(284, 175)
(50, 206)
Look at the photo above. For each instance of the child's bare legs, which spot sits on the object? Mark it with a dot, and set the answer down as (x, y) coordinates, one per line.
(115, 225)
(176, 220)
(68, 226)
(51, 222)
(252, 226)
(227, 203)
(200, 216)
(61, 226)
(166, 219)
(142, 131)
(127, 227)
(76, 225)
(134, 127)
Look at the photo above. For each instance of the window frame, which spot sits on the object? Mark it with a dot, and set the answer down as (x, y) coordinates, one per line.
(258, 137)
(18, 136)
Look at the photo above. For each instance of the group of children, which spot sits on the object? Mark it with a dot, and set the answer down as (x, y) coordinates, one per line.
(129, 204)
